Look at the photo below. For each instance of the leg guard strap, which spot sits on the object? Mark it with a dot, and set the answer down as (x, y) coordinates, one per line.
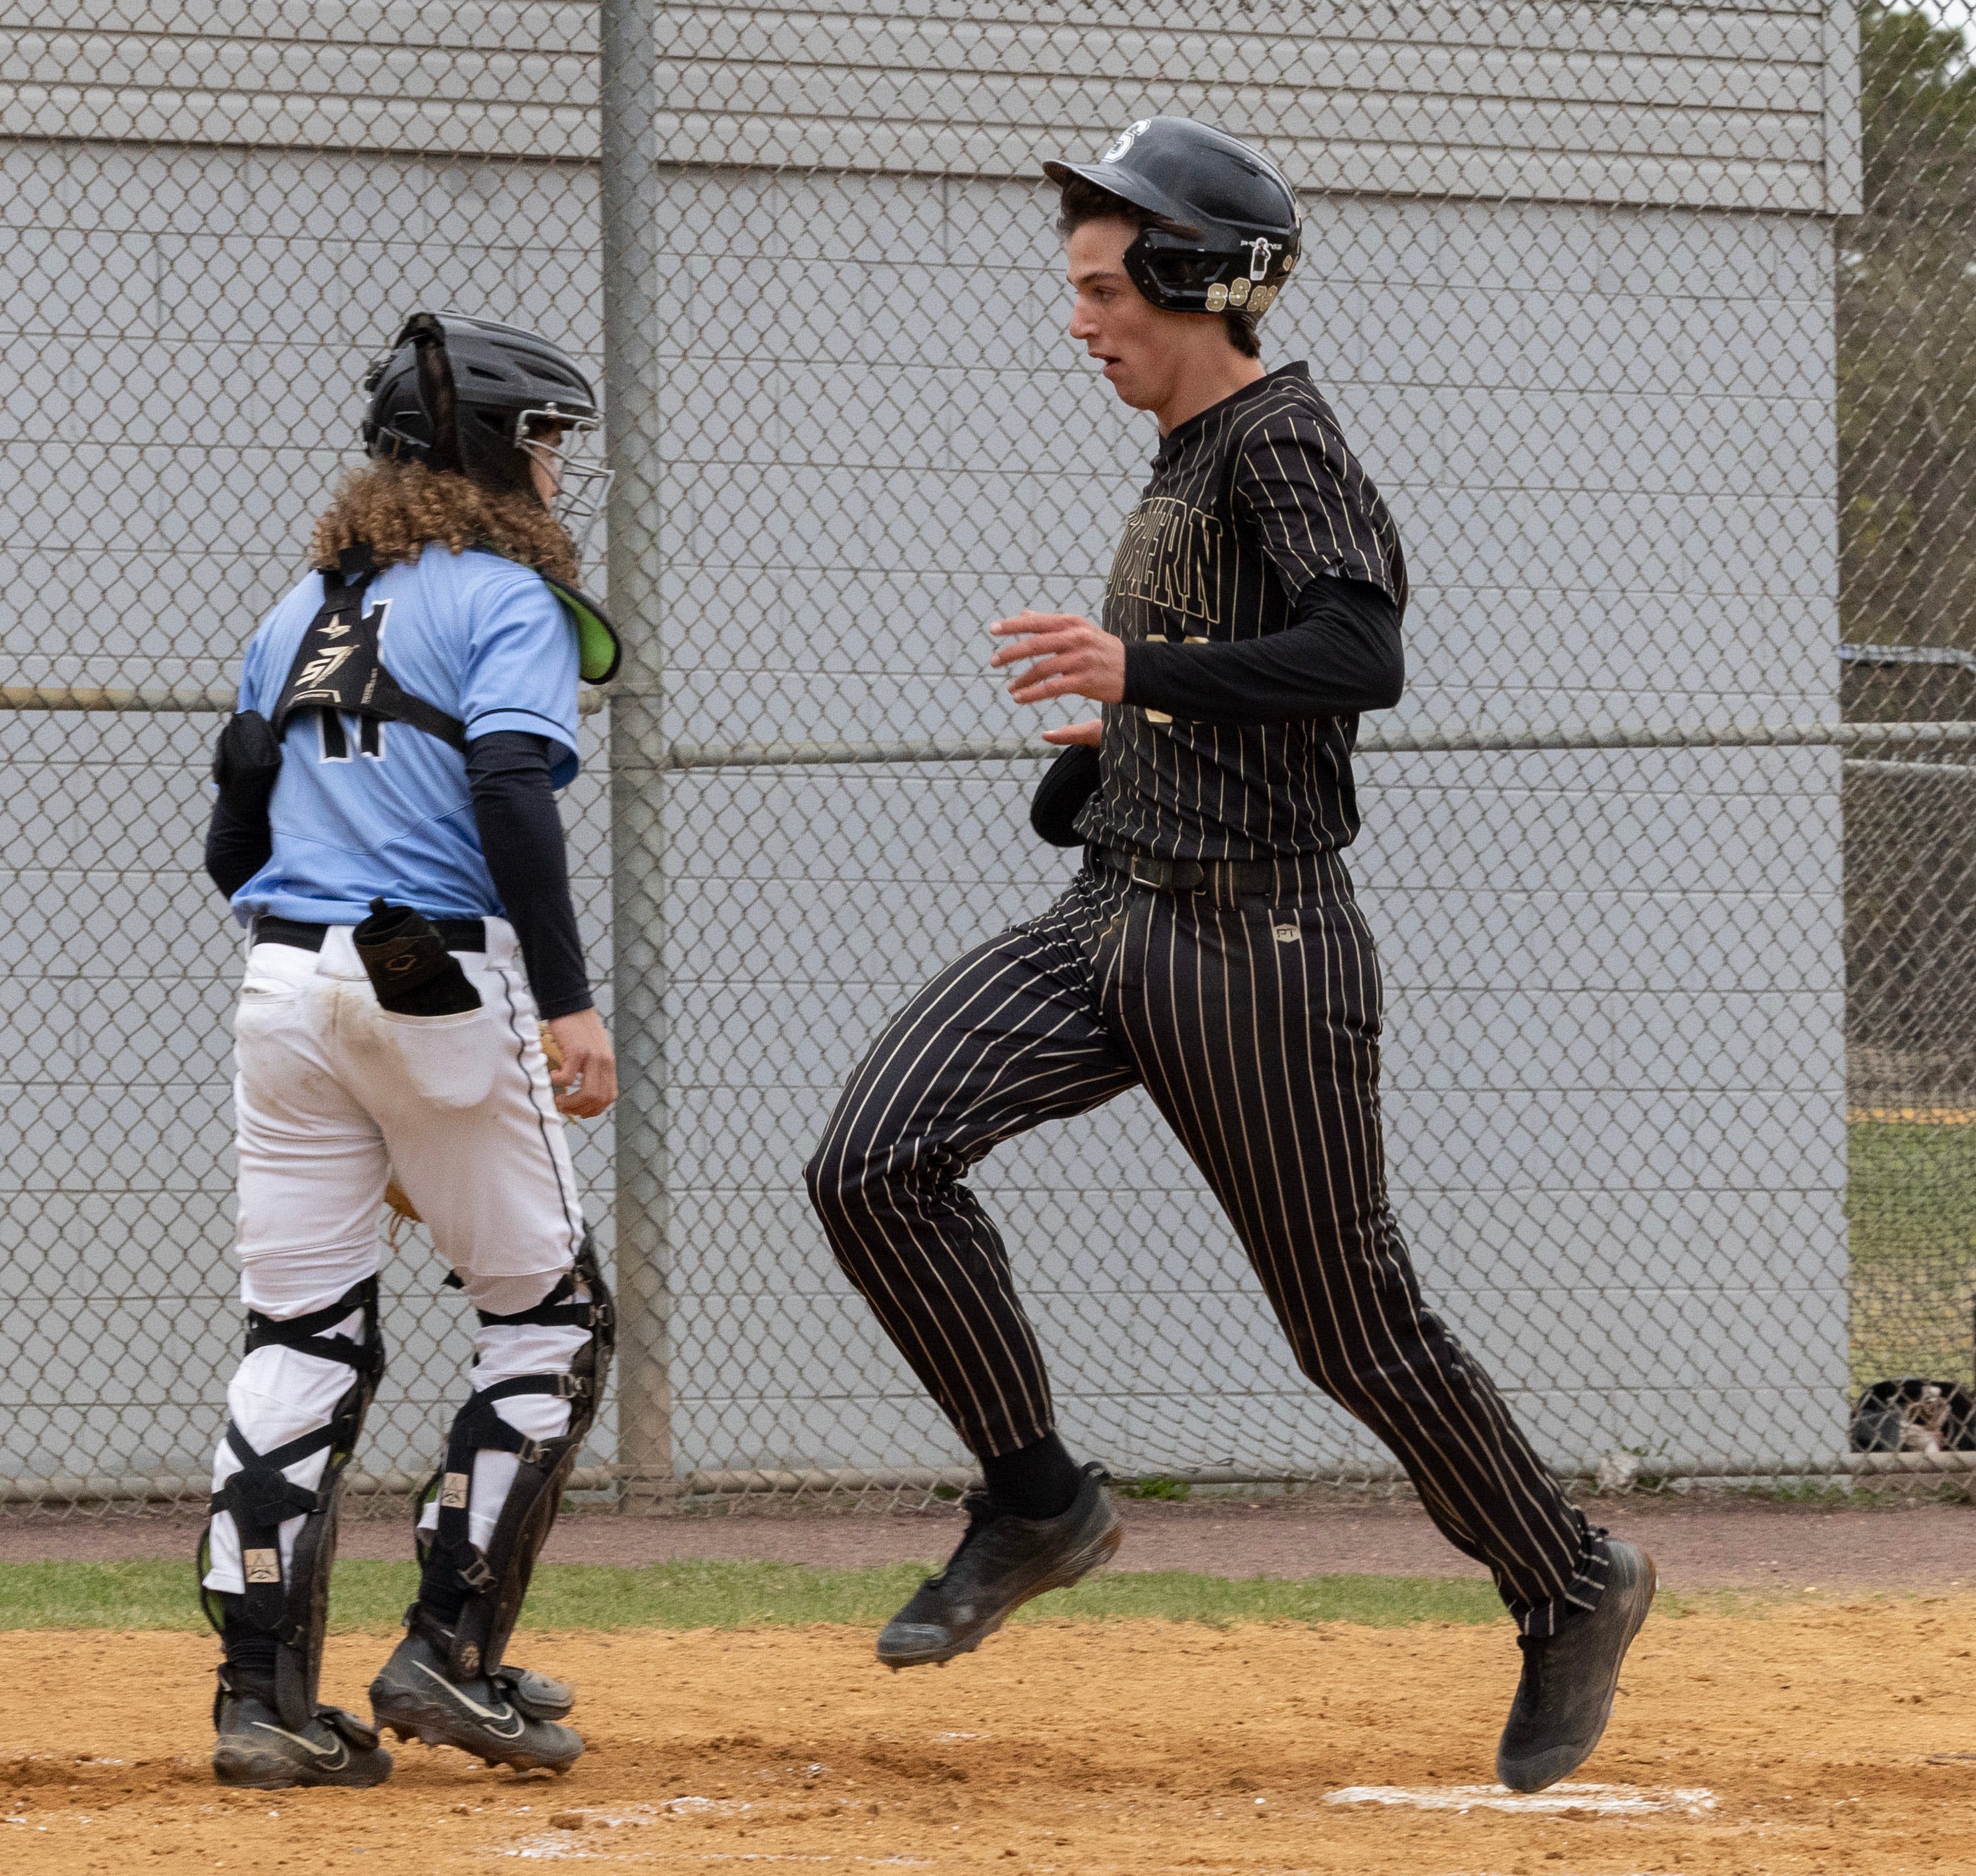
(560, 1309)
(496, 1579)
(261, 1498)
(306, 1334)
(290, 1603)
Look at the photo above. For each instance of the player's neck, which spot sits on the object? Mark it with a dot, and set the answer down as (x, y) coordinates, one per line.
(1216, 374)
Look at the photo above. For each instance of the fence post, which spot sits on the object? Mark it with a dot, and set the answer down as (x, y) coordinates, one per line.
(628, 103)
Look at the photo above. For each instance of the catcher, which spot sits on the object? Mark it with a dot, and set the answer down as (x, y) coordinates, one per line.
(387, 831)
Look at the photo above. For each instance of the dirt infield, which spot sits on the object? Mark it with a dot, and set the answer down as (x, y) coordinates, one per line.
(1836, 1737)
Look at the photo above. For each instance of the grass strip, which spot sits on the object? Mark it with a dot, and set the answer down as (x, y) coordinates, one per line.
(160, 1595)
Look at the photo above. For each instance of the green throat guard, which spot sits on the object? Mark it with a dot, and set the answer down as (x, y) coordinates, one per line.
(598, 649)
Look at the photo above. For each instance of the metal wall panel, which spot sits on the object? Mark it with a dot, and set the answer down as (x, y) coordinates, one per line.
(1616, 1068)
(1723, 105)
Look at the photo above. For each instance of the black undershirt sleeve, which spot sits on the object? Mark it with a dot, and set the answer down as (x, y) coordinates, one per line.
(1340, 654)
(521, 834)
(236, 847)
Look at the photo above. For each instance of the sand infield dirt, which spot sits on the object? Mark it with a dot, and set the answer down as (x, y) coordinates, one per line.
(1837, 1737)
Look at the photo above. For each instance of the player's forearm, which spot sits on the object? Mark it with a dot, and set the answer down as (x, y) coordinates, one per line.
(521, 834)
(1342, 655)
(236, 849)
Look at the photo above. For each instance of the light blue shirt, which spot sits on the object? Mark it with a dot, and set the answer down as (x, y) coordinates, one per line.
(480, 637)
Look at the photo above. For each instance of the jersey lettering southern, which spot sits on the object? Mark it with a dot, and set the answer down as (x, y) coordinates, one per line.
(1249, 502)
(382, 810)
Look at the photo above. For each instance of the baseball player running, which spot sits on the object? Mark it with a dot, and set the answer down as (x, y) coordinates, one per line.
(1209, 952)
(386, 831)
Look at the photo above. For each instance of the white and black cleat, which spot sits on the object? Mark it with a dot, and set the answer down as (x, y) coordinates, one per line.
(256, 1751)
(508, 1718)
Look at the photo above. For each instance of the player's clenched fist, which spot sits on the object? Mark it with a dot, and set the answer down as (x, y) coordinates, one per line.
(585, 1079)
(1066, 656)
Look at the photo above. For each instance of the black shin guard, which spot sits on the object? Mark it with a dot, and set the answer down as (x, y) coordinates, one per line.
(470, 1599)
(275, 1627)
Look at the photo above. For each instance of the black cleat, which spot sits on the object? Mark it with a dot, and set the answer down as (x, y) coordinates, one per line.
(508, 1718)
(256, 1751)
(1001, 1563)
(1565, 1697)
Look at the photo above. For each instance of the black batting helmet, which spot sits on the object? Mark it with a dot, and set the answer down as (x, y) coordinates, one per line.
(1238, 229)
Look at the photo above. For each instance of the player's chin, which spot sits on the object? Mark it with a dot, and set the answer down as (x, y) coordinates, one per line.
(1129, 390)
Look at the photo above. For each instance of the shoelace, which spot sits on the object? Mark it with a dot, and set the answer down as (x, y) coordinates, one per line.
(980, 1515)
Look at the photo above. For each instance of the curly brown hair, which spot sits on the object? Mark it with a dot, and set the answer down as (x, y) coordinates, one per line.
(395, 509)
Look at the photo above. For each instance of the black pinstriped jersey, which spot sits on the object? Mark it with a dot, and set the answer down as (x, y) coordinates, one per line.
(1249, 502)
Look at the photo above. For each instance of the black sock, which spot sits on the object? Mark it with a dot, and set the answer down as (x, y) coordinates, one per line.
(441, 1595)
(1037, 1482)
(250, 1653)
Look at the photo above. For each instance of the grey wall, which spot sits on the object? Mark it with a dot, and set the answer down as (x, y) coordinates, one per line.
(1614, 1078)
(1614, 1072)
(1726, 104)
(183, 333)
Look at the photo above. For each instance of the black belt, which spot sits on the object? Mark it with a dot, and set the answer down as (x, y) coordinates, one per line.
(1189, 875)
(458, 934)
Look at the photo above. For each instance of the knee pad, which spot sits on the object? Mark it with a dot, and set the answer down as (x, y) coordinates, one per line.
(496, 1579)
(290, 1603)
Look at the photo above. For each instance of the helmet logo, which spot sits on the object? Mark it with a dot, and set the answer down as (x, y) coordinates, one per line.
(1259, 251)
(1125, 139)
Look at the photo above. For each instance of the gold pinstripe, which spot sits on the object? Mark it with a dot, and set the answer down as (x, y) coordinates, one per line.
(1269, 473)
(1263, 1055)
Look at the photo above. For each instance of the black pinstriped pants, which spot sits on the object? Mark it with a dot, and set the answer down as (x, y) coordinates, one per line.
(1253, 1022)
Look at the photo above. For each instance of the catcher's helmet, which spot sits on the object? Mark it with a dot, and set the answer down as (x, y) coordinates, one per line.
(481, 399)
(1242, 227)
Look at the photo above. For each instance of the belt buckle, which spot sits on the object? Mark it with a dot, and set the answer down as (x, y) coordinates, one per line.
(1157, 881)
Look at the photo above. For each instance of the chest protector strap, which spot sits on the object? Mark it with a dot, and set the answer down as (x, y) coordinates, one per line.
(337, 668)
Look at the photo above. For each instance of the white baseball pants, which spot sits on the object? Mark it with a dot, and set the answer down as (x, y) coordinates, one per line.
(332, 1094)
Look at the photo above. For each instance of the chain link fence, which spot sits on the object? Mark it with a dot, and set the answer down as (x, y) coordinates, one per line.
(1906, 314)
(1654, 324)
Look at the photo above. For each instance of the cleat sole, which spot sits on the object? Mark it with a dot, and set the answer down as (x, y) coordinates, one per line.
(438, 1729)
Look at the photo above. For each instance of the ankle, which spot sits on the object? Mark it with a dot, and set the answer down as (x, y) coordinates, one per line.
(422, 1621)
(442, 1596)
(1038, 1481)
(250, 1654)
(249, 1682)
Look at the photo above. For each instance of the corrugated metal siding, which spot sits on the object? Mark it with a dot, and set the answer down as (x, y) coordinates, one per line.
(1614, 1072)
(1719, 106)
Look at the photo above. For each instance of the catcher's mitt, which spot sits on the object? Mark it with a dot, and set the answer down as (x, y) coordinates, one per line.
(402, 1210)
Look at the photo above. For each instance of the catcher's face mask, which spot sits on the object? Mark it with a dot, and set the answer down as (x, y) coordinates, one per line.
(568, 452)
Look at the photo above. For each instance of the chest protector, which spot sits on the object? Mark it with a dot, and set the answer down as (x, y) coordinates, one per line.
(337, 669)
